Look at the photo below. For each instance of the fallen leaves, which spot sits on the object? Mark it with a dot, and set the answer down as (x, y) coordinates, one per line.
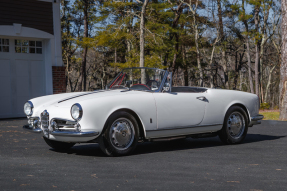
(233, 181)
(24, 184)
(94, 176)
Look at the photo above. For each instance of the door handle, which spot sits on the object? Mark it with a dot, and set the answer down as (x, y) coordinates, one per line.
(201, 98)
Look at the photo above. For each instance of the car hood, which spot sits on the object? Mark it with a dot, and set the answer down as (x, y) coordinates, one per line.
(68, 99)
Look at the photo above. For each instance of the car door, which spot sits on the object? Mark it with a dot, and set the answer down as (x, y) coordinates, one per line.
(175, 110)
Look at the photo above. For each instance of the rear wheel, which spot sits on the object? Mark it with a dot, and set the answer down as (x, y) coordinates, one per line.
(120, 136)
(57, 145)
(235, 126)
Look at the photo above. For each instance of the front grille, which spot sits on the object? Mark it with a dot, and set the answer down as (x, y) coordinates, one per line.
(45, 122)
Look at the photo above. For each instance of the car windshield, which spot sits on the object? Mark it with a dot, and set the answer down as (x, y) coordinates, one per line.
(138, 79)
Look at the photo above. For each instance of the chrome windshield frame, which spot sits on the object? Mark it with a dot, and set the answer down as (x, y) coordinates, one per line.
(166, 73)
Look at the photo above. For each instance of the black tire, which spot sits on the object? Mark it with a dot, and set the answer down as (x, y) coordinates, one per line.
(226, 134)
(107, 138)
(57, 145)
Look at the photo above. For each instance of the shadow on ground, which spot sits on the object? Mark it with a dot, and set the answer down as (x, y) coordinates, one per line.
(166, 146)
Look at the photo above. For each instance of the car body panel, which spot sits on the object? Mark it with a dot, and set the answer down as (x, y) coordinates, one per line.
(179, 109)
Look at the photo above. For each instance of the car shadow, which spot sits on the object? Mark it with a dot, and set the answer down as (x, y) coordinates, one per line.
(164, 146)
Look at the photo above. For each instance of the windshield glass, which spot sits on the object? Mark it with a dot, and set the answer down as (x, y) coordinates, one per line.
(138, 79)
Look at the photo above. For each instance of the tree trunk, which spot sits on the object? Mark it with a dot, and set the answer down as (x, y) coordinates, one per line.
(248, 53)
(211, 63)
(198, 54)
(185, 72)
(116, 56)
(82, 84)
(249, 65)
(177, 12)
(269, 82)
(257, 51)
(176, 52)
(264, 33)
(223, 51)
(142, 41)
(283, 67)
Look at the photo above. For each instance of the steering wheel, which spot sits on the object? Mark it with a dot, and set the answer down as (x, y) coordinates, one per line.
(139, 87)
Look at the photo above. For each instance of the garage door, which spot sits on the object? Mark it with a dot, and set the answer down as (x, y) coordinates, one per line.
(22, 75)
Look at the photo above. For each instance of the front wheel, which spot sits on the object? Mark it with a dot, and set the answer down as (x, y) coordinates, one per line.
(120, 136)
(235, 126)
(57, 145)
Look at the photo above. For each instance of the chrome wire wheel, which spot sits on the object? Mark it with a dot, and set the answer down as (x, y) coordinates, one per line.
(236, 125)
(122, 133)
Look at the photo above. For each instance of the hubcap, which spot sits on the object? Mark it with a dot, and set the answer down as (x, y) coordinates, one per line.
(236, 125)
(122, 133)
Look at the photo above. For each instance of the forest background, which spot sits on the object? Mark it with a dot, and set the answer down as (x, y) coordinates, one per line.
(228, 44)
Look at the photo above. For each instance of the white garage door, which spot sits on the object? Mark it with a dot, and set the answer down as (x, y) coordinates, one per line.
(22, 75)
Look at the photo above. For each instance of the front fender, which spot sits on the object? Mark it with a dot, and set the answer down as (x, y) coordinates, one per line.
(97, 111)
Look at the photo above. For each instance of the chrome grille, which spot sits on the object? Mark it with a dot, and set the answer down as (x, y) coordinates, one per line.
(45, 122)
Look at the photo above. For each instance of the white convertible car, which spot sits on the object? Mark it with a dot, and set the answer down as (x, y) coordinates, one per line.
(140, 104)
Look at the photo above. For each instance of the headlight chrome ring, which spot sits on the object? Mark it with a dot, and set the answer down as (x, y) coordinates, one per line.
(76, 112)
(28, 108)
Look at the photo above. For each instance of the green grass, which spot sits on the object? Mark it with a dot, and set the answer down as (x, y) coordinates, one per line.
(270, 115)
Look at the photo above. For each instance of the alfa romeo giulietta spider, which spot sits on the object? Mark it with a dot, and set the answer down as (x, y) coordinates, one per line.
(140, 104)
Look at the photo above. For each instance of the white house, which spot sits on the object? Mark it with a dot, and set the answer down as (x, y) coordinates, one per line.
(30, 53)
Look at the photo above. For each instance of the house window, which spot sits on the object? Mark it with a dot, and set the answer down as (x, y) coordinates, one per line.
(4, 45)
(28, 46)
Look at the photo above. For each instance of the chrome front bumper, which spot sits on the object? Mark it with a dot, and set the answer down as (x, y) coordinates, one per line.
(63, 133)
(256, 120)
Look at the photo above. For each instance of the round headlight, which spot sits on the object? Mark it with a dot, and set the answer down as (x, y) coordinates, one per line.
(28, 108)
(76, 112)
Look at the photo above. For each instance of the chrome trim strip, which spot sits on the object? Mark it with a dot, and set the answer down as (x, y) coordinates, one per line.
(27, 128)
(182, 132)
(184, 127)
(97, 91)
(74, 133)
(76, 96)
